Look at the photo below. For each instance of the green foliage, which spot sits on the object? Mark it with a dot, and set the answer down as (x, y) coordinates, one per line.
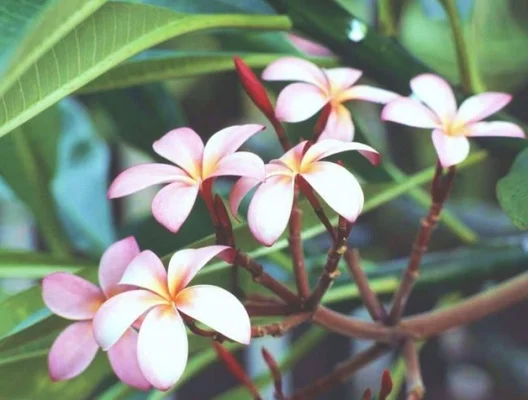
(512, 191)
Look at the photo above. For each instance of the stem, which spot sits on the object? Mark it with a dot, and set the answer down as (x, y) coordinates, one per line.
(387, 18)
(472, 309)
(415, 387)
(281, 134)
(439, 193)
(257, 309)
(280, 328)
(370, 300)
(464, 67)
(275, 373)
(340, 373)
(296, 249)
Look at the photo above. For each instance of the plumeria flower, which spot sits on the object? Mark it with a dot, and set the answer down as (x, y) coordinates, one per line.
(270, 208)
(162, 343)
(196, 168)
(73, 297)
(451, 127)
(317, 88)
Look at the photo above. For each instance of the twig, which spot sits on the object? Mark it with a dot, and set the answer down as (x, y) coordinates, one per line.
(370, 300)
(296, 249)
(280, 328)
(340, 374)
(415, 386)
(256, 309)
(439, 193)
(275, 372)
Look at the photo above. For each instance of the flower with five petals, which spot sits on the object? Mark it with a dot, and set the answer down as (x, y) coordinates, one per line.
(317, 88)
(162, 295)
(270, 208)
(197, 166)
(73, 297)
(451, 126)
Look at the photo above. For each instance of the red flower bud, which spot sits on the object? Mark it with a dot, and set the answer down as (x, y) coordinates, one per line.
(386, 385)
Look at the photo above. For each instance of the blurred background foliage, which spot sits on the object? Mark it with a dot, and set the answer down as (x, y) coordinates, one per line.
(86, 86)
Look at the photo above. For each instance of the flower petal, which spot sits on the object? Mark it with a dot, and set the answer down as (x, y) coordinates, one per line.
(117, 314)
(326, 148)
(293, 157)
(123, 358)
(241, 163)
(338, 188)
(496, 128)
(239, 191)
(409, 112)
(308, 46)
(299, 101)
(295, 69)
(339, 125)
(342, 78)
(368, 93)
(437, 94)
(225, 142)
(163, 347)
(270, 209)
(184, 147)
(72, 352)
(451, 150)
(147, 272)
(218, 309)
(114, 262)
(481, 106)
(70, 296)
(142, 176)
(185, 264)
(172, 205)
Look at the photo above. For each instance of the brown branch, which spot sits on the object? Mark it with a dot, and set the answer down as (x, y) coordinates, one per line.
(296, 249)
(256, 309)
(275, 373)
(439, 193)
(415, 386)
(370, 299)
(476, 307)
(266, 280)
(280, 328)
(340, 374)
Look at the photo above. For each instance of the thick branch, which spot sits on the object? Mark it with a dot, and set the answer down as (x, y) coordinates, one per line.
(296, 250)
(415, 386)
(280, 328)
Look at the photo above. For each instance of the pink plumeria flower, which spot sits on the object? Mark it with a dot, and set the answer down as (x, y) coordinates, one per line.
(162, 343)
(270, 208)
(317, 88)
(197, 167)
(451, 127)
(75, 298)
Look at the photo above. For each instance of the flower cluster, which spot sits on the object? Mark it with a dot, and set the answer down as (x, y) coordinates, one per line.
(140, 312)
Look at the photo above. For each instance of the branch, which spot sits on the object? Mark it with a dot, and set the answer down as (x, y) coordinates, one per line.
(280, 328)
(370, 299)
(275, 373)
(296, 249)
(415, 387)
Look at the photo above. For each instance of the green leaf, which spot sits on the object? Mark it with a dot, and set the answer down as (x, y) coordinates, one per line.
(112, 34)
(213, 7)
(512, 191)
(30, 28)
(154, 66)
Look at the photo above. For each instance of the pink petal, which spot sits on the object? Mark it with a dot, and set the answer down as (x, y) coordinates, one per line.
(326, 148)
(183, 147)
(114, 262)
(270, 209)
(147, 272)
(70, 296)
(72, 352)
(437, 94)
(163, 347)
(338, 188)
(299, 101)
(124, 361)
(409, 112)
(240, 164)
(226, 142)
(339, 125)
(496, 128)
(451, 150)
(342, 78)
(218, 309)
(142, 176)
(173, 204)
(185, 264)
(308, 46)
(292, 158)
(481, 106)
(368, 93)
(239, 191)
(117, 314)
(295, 69)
